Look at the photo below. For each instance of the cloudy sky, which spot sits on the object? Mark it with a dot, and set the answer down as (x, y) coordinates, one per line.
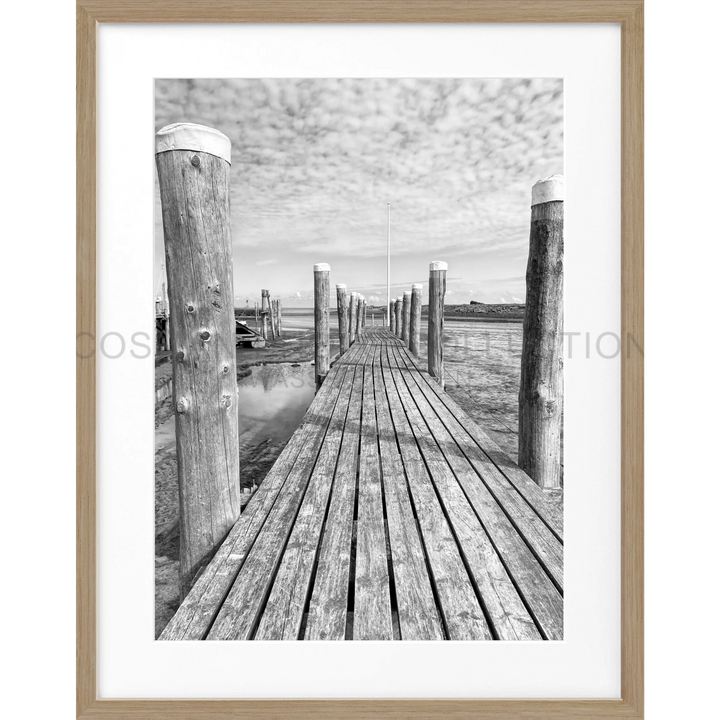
(315, 162)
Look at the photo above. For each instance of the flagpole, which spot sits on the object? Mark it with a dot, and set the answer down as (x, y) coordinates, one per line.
(388, 266)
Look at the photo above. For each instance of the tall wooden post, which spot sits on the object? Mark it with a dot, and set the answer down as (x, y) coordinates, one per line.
(364, 311)
(398, 316)
(278, 315)
(436, 320)
(342, 315)
(264, 312)
(358, 317)
(541, 379)
(193, 167)
(272, 316)
(415, 313)
(352, 312)
(405, 332)
(391, 311)
(322, 322)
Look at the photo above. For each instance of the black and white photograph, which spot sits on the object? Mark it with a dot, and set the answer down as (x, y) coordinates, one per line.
(359, 359)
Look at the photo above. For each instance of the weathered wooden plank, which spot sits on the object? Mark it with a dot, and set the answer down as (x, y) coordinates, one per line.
(239, 613)
(418, 614)
(535, 532)
(196, 613)
(372, 620)
(460, 608)
(327, 615)
(540, 594)
(507, 612)
(534, 495)
(198, 610)
(283, 613)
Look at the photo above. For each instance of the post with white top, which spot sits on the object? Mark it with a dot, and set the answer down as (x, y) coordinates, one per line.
(398, 316)
(364, 311)
(405, 333)
(264, 312)
(541, 379)
(322, 322)
(352, 313)
(278, 315)
(415, 313)
(436, 320)
(193, 167)
(342, 315)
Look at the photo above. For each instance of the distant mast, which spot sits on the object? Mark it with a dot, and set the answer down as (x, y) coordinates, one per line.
(388, 265)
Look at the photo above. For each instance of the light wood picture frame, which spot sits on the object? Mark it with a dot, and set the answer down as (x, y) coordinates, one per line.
(629, 15)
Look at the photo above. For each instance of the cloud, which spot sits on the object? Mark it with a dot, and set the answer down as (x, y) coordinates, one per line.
(314, 162)
(269, 261)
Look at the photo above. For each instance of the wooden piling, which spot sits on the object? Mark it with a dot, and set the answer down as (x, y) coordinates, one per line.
(342, 314)
(352, 312)
(272, 316)
(436, 320)
(405, 332)
(391, 311)
(358, 316)
(364, 311)
(415, 313)
(193, 167)
(541, 379)
(321, 272)
(278, 315)
(264, 312)
(398, 316)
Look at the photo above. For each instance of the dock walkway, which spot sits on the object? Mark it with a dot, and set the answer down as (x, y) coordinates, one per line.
(389, 515)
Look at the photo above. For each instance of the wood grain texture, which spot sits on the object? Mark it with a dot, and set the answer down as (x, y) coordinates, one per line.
(505, 609)
(415, 313)
(372, 620)
(541, 380)
(461, 611)
(436, 323)
(523, 517)
(535, 587)
(405, 311)
(85, 367)
(549, 511)
(322, 325)
(342, 315)
(327, 615)
(352, 317)
(195, 199)
(240, 612)
(629, 13)
(418, 616)
(283, 613)
(193, 619)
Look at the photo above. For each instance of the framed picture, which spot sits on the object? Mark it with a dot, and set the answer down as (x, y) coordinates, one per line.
(593, 58)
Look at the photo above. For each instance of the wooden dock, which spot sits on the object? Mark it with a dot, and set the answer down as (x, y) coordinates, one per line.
(389, 515)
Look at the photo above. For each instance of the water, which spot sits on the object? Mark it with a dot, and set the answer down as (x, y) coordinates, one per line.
(273, 400)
